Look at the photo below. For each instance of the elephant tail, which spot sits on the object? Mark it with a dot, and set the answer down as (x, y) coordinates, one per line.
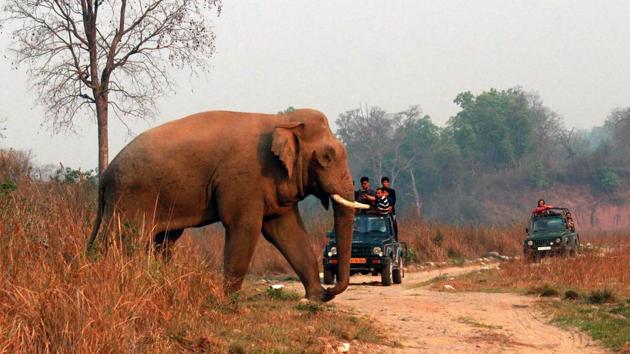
(99, 218)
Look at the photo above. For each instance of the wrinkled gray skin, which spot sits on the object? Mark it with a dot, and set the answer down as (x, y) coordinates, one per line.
(247, 171)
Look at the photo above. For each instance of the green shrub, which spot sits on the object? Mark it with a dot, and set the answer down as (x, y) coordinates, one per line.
(608, 180)
(438, 238)
(538, 177)
(310, 307)
(548, 291)
(545, 291)
(601, 296)
(281, 294)
(71, 175)
(411, 255)
(8, 186)
(571, 295)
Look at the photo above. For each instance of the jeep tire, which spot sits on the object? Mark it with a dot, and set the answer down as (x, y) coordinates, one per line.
(329, 276)
(397, 273)
(387, 272)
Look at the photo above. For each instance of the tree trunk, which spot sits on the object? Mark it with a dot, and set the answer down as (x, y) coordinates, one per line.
(103, 144)
(416, 195)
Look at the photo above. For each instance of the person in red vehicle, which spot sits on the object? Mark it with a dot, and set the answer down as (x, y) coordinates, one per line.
(542, 206)
(570, 222)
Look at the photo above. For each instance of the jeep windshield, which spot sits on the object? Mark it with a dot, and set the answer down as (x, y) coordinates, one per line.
(551, 223)
(371, 225)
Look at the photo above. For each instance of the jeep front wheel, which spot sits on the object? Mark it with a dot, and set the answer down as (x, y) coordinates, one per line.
(397, 273)
(387, 272)
(329, 276)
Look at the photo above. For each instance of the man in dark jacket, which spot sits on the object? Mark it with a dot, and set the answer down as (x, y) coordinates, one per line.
(391, 193)
(365, 195)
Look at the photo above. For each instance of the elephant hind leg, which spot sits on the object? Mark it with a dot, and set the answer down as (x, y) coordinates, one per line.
(163, 242)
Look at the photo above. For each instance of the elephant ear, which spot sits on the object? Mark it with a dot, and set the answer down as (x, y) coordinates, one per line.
(284, 144)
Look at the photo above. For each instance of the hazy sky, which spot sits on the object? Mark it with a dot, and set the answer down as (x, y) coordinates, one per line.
(335, 55)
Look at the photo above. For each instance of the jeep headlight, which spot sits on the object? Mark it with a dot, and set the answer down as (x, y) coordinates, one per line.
(530, 243)
(332, 251)
(377, 251)
(558, 240)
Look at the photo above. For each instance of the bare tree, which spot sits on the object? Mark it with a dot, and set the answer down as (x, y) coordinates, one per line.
(416, 195)
(619, 123)
(547, 126)
(375, 138)
(405, 147)
(95, 55)
(567, 139)
(367, 133)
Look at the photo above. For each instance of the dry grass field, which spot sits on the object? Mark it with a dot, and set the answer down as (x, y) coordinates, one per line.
(53, 298)
(603, 266)
(590, 292)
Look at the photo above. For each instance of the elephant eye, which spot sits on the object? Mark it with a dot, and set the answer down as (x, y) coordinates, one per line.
(326, 156)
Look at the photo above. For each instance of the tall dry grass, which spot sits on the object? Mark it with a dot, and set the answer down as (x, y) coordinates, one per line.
(438, 242)
(54, 299)
(596, 269)
(427, 241)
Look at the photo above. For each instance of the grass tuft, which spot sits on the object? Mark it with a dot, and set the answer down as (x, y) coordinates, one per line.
(309, 307)
(571, 295)
(544, 291)
(601, 297)
(282, 294)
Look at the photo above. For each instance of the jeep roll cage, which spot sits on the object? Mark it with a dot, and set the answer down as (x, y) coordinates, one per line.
(553, 211)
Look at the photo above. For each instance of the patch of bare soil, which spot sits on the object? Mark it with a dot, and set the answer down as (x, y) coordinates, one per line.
(427, 321)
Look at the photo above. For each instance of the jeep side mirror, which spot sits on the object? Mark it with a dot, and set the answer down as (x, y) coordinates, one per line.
(526, 230)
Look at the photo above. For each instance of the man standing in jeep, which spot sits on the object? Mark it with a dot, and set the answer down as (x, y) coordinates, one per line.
(382, 202)
(541, 207)
(366, 195)
(391, 193)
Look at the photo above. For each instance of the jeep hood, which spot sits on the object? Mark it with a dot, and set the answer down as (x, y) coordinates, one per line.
(548, 234)
(360, 238)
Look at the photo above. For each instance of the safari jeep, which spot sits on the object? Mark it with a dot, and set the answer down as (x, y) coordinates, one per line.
(549, 233)
(375, 250)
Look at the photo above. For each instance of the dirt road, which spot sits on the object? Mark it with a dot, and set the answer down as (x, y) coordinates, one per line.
(426, 321)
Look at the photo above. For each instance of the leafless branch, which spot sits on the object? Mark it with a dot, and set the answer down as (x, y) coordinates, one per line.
(80, 52)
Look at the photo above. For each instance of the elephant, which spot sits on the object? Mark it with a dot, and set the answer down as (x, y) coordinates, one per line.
(245, 170)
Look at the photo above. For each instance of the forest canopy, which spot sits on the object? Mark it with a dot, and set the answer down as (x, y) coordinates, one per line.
(500, 143)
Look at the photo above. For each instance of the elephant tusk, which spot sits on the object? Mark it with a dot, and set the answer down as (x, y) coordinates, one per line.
(339, 199)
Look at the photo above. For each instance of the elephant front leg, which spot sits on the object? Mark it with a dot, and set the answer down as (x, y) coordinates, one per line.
(240, 243)
(288, 235)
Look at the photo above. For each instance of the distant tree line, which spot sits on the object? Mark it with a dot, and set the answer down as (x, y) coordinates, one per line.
(499, 143)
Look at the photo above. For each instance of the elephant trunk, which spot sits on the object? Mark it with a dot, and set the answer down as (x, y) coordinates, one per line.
(344, 223)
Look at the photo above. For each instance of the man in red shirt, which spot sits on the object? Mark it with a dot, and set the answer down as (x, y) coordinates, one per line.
(541, 207)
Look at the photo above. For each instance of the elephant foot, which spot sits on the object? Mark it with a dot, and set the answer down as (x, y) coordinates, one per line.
(327, 296)
(319, 295)
(232, 285)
